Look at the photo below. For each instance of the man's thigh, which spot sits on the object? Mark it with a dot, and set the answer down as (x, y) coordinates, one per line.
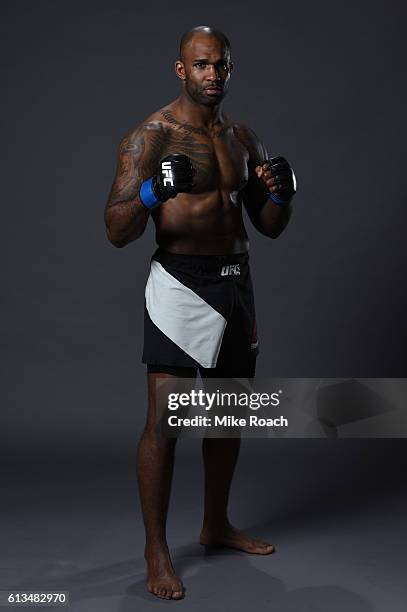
(165, 382)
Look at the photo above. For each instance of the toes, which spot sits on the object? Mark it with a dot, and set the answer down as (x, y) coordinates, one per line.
(263, 546)
(164, 593)
(266, 549)
(260, 548)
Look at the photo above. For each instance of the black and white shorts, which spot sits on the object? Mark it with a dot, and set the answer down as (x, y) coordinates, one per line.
(199, 314)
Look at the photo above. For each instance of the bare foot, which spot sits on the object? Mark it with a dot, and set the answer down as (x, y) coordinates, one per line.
(162, 580)
(233, 538)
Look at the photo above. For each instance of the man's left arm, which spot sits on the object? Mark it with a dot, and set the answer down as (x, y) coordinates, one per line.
(270, 187)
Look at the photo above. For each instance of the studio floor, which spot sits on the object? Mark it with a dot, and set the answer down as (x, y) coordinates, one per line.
(335, 511)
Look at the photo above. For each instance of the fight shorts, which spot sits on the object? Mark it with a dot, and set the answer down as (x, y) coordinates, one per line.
(199, 314)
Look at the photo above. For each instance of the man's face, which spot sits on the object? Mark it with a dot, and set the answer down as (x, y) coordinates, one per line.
(206, 70)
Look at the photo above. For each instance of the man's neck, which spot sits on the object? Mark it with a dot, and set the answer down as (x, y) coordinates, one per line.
(198, 115)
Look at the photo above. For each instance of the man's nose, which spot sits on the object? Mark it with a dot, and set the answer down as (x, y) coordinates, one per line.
(213, 73)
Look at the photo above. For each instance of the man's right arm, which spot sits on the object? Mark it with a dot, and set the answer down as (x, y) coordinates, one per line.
(139, 155)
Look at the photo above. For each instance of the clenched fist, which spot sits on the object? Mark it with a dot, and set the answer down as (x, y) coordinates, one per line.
(279, 179)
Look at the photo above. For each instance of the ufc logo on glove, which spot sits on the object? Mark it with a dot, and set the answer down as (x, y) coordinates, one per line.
(166, 170)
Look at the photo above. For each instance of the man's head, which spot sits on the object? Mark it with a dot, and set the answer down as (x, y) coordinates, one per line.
(204, 65)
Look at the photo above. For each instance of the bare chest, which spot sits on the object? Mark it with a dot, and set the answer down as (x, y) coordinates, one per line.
(219, 161)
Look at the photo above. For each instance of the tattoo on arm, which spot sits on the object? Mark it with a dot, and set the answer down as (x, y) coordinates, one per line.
(139, 155)
(141, 151)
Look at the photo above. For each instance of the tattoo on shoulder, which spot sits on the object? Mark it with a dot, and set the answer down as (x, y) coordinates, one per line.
(133, 145)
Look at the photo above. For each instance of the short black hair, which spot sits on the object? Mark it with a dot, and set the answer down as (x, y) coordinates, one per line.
(187, 37)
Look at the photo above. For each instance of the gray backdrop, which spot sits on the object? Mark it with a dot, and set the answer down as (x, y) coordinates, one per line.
(322, 83)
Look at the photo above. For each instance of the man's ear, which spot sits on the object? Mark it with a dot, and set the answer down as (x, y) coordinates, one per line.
(180, 70)
(231, 66)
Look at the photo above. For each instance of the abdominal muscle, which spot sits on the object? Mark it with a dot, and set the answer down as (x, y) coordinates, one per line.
(201, 224)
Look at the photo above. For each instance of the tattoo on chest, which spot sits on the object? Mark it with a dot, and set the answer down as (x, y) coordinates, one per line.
(200, 153)
(181, 140)
(163, 140)
(187, 128)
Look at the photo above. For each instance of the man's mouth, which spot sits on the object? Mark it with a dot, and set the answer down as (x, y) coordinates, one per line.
(213, 90)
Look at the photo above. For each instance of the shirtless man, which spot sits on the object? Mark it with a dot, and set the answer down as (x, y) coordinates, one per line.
(190, 167)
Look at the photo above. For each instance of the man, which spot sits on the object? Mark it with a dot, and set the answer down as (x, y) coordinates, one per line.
(191, 168)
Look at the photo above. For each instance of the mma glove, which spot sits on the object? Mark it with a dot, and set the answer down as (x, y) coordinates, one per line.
(175, 176)
(277, 173)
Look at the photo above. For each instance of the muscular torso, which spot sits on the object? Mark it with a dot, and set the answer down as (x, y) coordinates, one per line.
(208, 220)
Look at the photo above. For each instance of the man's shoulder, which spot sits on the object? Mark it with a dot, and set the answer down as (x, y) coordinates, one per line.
(158, 116)
(245, 134)
(155, 122)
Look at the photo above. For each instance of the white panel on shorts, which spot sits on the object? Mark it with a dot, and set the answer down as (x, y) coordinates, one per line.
(184, 317)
